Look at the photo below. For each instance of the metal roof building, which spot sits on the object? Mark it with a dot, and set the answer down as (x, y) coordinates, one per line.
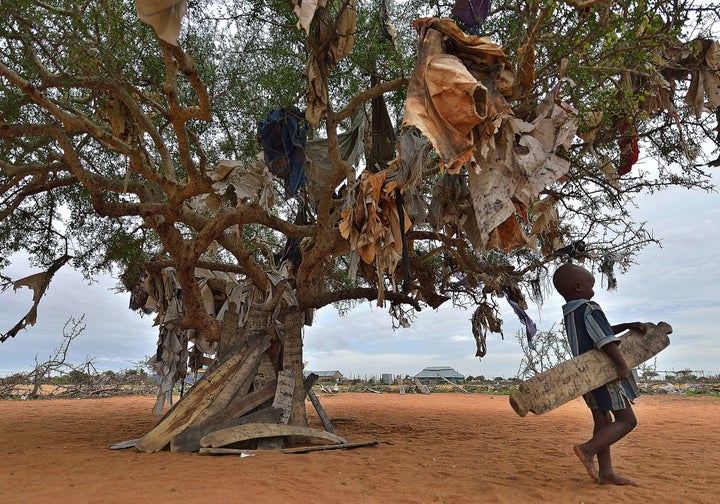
(435, 373)
(327, 375)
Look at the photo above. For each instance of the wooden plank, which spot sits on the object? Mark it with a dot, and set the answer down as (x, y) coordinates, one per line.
(309, 382)
(242, 404)
(420, 385)
(343, 446)
(453, 384)
(284, 393)
(239, 383)
(193, 404)
(283, 401)
(292, 344)
(227, 451)
(321, 412)
(292, 361)
(188, 440)
(265, 372)
(579, 375)
(301, 449)
(182, 414)
(239, 433)
(232, 336)
(124, 444)
(401, 385)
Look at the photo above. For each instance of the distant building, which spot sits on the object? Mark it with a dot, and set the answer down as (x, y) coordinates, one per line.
(328, 376)
(438, 373)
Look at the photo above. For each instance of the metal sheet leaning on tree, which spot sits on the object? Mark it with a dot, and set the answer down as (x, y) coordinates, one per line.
(579, 375)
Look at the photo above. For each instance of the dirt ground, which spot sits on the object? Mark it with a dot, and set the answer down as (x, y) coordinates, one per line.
(443, 447)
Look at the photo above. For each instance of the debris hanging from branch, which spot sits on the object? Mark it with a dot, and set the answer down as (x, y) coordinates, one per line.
(334, 38)
(38, 283)
(165, 17)
(220, 292)
(513, 167)
(457, 84)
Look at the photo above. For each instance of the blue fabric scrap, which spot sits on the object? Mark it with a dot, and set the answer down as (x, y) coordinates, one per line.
(530, 327)
(283, 136)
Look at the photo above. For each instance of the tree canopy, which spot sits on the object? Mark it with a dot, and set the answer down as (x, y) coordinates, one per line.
(115, 145)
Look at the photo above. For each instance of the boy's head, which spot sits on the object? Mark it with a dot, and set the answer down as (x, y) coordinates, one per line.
(574, 282)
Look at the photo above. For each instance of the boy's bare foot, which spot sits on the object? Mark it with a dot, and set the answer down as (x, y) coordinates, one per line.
(614, 479)
(587, 459)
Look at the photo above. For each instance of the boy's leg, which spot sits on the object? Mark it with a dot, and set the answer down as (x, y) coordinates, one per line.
(584, 451)
(625, 418)
(606, 433)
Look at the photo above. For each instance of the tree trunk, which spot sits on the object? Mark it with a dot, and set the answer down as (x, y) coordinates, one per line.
(258, 368)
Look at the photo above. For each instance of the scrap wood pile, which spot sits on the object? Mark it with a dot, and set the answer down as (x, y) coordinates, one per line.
(24, 386)
(219, 419)
(247, 404)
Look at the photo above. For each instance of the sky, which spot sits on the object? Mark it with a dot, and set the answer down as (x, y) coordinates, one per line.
(677, 284)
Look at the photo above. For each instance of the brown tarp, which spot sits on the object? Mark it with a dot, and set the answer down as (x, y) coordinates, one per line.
(445, 100)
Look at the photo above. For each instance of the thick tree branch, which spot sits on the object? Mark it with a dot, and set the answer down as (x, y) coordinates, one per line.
(368, 293)
(370, 93)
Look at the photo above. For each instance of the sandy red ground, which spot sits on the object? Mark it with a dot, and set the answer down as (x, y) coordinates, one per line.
(445, 448)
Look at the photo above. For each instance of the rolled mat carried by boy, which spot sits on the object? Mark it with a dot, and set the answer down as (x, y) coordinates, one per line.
(587, 328)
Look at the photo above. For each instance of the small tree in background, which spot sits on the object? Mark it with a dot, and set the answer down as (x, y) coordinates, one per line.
(550, 349)
(57, 362)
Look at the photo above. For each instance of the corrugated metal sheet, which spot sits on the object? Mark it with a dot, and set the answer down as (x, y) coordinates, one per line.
(441, 371)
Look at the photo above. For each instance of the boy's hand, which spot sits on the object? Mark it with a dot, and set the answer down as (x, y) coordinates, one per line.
(637, 326)
(624, 372)
(611, 349)
(634, 326)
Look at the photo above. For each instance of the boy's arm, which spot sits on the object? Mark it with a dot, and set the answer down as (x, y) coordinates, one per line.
(612, 350)
(634, 326)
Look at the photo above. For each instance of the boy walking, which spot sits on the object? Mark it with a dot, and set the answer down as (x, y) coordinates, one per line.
(587, 328)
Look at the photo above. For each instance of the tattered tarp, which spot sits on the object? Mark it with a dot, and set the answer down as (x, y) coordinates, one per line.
(322, 175)
(236, 183)
(165, 297)
(372, 224)
(514, 165)
(38, 283)
(704, 89)
(283, 135)
(655, 91)
(216, 289)
(305, 11)
(382, 145)
(372, 217)
(457, 99)
(406, 170)
(165, 17)
(451, 208)
(445, 99)
(335, 36)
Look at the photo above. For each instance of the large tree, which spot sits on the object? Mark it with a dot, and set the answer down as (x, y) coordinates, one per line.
(277, 157)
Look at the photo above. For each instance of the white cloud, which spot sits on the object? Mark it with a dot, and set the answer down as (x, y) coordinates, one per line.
(113, 334)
